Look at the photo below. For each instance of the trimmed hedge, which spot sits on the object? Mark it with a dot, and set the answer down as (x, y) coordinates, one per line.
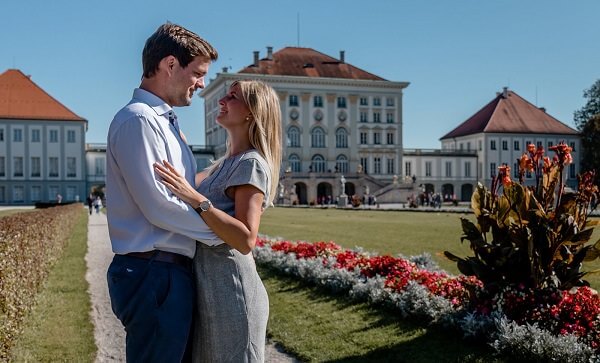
(30, 243)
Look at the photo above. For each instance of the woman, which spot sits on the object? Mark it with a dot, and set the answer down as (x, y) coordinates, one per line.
(232, 306)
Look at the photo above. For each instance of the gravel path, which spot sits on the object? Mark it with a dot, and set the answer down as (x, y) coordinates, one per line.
(108, 331)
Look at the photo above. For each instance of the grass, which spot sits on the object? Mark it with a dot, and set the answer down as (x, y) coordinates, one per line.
(59, 328)
(8, 212)
(318, 327)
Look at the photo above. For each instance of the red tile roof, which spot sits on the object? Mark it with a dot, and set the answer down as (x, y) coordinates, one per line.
(510, 113)
(21, 98)
(307, 62)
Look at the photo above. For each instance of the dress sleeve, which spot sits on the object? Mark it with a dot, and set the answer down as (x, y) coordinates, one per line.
(252, 172)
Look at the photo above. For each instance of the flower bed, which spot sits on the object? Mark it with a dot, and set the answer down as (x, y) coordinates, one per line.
(546, 325)
(29, 244)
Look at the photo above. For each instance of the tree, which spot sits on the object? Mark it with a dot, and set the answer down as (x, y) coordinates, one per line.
(587, 120)
(591, 108)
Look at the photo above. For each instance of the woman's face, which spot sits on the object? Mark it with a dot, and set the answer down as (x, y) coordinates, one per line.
(233, 109)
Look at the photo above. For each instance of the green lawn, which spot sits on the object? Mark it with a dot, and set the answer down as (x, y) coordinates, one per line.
(59, 329)
(385, 232)
(318, 327)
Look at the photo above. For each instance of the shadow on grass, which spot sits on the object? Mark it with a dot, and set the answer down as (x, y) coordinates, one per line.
(386, 338)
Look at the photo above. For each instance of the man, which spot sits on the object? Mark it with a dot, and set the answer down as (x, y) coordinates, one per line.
(152, 232)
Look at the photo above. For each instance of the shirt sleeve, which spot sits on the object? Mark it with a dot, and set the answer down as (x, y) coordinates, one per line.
(251, 172)
(136, 145)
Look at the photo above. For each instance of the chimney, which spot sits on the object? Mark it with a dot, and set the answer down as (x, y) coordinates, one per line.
(505, 92)
(342, 56)
(256, 58)
(224, 69)
(543, 109)
(270, 53)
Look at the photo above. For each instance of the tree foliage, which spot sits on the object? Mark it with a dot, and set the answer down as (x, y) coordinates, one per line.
(587, 120)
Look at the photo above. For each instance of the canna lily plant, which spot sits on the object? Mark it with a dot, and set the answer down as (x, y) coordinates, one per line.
(531, 236)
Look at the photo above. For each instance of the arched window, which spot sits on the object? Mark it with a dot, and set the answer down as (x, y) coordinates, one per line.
(341, 138)
(318, 164)
(294, 163)
(342, 163)
(318, 137)
(293, 135)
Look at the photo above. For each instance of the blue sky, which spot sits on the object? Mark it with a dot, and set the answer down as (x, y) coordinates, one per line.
(455, 54)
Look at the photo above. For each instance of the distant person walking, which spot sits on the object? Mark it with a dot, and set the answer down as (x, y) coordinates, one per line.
(98, 204)
(90, 202)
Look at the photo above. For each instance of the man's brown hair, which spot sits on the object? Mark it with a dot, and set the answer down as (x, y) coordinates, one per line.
(172, 39)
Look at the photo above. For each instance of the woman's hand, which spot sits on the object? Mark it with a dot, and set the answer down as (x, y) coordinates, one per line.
(177, 184)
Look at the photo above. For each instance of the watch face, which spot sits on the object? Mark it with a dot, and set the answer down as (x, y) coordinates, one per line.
(318, 115)
(342, 116)
(294, 114)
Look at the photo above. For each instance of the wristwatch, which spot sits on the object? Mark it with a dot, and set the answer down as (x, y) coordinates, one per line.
(204, 206)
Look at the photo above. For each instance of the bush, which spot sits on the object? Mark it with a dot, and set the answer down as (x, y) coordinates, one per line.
(30, 243)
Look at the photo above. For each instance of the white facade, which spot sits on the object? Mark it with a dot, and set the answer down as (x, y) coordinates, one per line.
(331, 127)
(40, 159)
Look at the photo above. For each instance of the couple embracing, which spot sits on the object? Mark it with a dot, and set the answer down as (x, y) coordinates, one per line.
(183, 280)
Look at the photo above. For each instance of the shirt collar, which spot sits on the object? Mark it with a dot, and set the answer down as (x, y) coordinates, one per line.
(156, 103)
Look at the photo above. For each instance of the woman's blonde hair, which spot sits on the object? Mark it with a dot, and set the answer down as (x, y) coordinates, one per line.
(265, 128)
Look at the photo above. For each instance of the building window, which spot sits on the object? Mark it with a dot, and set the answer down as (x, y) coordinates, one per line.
(71, 136)
(52, 192)
(516, 145)
(2, 166)
(376, 117)
(18, 193)
(527, 143)
(467, 169)
(550, 144)
(390, 138)
(363, 138)
(99, 166)
(539, 144)
(572, 174)
(35, 135)
(36, 193)
(480, 145)
(377, 138)
(294, 163)
(390, 166)
(504, 145)
(71, 167)
(36, 166)
(389, 102)
(18, 166)
(376, 101)
(428, 168)
(364, 101)
(363, 117)
(52, 166)
(469, 146)
(377, 165)
(492, 144)
(341, 102)
(571, 144)
(492, 170)
(17, 135)
(293, 100)
(389, 117)
(318, 101)
(2, 194)
(71, 192)
(341, 162)
(317, 137)
(341, 138)
(293, 136)
(407, 168)
(460, 146)
(448, 168)
(1, 134)
(515, 170)
(364, 162)
(318, 164)
(53, 135)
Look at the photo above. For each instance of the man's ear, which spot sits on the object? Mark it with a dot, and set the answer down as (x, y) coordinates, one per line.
(168, 63)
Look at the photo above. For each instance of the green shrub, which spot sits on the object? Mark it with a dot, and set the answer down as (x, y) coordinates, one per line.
(29, 245)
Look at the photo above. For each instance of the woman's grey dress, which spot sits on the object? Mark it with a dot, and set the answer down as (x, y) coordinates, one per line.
(232, 305)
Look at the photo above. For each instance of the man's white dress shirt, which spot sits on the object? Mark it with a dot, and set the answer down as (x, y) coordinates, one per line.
(143, 215)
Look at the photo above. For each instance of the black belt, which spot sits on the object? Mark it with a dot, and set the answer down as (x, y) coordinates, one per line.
(164, 256)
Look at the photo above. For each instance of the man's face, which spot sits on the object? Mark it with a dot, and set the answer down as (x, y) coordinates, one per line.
(185, 81)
